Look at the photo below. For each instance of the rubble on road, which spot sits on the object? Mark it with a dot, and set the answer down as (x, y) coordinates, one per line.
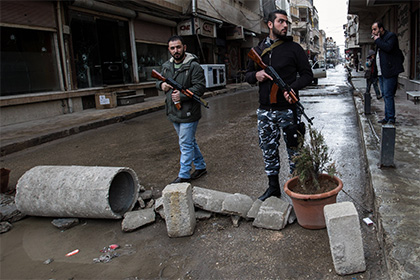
(65, 223)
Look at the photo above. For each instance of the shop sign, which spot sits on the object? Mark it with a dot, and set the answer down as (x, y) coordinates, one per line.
(197, 26)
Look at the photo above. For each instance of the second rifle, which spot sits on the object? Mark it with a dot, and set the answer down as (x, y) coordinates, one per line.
(176, 85)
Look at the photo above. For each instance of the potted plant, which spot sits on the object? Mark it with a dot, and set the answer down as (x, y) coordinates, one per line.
(314, 184)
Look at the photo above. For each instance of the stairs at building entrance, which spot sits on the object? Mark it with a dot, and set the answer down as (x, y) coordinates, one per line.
(128, 97)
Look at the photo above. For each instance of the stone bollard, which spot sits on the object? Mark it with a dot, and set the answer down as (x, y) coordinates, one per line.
(387, 146)
(179, 210)
(345, 237)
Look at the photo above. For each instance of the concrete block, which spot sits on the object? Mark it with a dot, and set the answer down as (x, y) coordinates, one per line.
(345, 237)
(209, 200)
(135, 219)
(146, 195)
(65, 223)
(159, 207)
(202, 215)
(179, 209)
(237, 204)
(253, 212)
(273, 214)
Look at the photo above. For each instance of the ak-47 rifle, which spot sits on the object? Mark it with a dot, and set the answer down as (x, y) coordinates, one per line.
(176, 85)
(278, 83)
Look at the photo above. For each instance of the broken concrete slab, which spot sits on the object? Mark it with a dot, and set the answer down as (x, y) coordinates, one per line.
(235, 220)
(179, 210)
(136, 219)
(273, 214)
(146, 195)
(237, 204)
(159, 207)
(9, 211)
(65, 223)
(209, 200)
(253, 212)
(5, 227)
(345, 237)
(202, 215)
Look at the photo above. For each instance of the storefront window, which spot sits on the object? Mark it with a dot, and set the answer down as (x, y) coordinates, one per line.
(101, 51)
(28, 61)
(150, 57)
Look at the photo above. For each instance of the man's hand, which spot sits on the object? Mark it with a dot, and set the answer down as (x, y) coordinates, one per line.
(176, 98)
(288, 97)
(165, 86)
(262, 76)
(374, 37)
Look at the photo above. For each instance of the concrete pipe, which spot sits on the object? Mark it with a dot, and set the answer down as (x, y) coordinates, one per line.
(77, 191)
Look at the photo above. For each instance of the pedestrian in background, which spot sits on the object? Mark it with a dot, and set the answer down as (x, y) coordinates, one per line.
(389, 61)
(184, 68)
(287, 58)
(371, 74)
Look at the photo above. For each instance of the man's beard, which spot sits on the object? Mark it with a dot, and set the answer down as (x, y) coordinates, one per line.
(278, 34)
(179, 56)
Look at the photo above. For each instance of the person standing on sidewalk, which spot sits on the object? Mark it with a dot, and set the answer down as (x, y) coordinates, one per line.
(288, 59)
(184, 68)
(371, 74)
(389, 60)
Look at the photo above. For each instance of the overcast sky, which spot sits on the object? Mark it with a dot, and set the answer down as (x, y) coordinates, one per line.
(332, 16)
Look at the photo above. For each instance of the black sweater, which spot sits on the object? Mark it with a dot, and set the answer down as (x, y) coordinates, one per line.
(288, 59)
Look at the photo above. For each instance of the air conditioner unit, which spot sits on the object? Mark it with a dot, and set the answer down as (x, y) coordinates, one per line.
(215, 75)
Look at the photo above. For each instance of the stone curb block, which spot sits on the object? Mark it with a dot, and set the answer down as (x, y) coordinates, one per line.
(345, 237)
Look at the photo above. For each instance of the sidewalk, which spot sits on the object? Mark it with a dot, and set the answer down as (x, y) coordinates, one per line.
(396, 190)
(17, 137)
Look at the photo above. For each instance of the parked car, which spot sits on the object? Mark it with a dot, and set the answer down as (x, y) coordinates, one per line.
(319, 70)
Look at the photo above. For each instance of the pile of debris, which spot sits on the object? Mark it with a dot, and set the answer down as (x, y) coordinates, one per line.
(195, 203)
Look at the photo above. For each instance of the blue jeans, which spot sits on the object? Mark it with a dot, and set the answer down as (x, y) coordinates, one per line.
(389, 88)
(190, 152)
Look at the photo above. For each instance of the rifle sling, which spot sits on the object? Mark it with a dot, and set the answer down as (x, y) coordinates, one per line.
(274, 87)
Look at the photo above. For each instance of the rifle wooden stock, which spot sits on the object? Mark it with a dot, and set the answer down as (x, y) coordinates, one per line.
(177, 86)
(278, 83)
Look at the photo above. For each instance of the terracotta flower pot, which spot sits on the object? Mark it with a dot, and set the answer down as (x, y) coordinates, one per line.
(309, 208)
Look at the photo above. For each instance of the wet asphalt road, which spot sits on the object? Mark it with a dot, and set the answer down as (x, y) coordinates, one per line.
(227, 136)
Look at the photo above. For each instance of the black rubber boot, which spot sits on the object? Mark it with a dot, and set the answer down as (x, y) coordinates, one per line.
(273, 188)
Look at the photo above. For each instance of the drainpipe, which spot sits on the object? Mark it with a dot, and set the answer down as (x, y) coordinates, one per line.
(133, 51)
(63, 56)
(61, 39)
(194, 7)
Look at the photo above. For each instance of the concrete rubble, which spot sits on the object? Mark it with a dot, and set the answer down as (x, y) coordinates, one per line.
(179, 210)
(273, 214)
(8, 212)
(65, 223)
(136, 219)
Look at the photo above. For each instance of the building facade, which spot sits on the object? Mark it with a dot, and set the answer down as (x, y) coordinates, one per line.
(400, 17)
(56, 55)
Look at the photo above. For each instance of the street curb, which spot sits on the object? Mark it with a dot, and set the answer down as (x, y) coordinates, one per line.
(371, 147)
(51, 136)
(65, 132)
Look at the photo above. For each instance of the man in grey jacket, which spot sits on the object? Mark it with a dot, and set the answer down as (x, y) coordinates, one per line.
(181, 110)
